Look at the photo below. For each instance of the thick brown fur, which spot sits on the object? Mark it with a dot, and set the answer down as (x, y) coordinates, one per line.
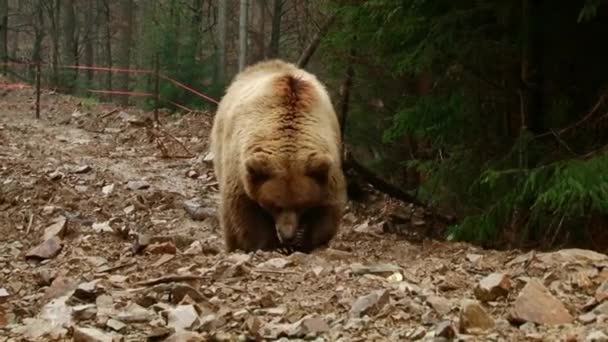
(276, 145)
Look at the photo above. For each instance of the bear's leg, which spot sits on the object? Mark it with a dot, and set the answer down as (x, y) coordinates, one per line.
(247, 227)
(321, 226)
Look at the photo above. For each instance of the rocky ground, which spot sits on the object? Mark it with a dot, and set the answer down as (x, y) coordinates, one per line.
(107, 233)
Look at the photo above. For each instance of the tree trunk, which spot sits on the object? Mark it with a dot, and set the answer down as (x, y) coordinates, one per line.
(14, 50)
(243, 33)
(221, 46)
(107, 20)
(124, 48)
(89, 36)
(4, 33)
(70, 47)
(275, 35)
(38, 32)
(54, 16)
(531, 66)
(258, 36)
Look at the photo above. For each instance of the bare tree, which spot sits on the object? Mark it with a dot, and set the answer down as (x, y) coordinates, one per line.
(124, 48)
(275, 33)
(70, 42)
(4, 32)
(258, 31)
(243, 12)
(89, 36)
(221, 37)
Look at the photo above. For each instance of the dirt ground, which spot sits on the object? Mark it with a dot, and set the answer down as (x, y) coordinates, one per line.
(104, 239)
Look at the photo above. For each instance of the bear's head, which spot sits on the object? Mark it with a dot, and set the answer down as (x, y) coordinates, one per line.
(288, 190)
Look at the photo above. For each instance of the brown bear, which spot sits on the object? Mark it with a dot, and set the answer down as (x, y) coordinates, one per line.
(277, 157)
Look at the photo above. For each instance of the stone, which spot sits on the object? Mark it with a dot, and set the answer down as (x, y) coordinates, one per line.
(536, 304)
(102, 227)
(116, 325)
(474, 258)
(56, 175)
(184, 336)
(386, 269)
(601, 294)
(60, 286)
(587, 318)
(182, 317)
(596, 336)
(572, 256)
(314, 325)
(370, 304)
(601, 309)
(46, 250)
(137, 185)
(134, 313)
(108, 189)
(440, 304)
(474, 318)
(192, 174)
(196, 211)
(83, 169)
(416, 333)
(87, 291)
(276, 263)
(57, 228)
(84, 312)
(4, 295)
(445, 329)
(209, 322)
(196, 248)
(493, 286)
(90, 335)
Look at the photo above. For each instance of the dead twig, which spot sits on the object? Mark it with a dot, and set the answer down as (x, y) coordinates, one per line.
(261, 270)
(156, 134)
(174, 278)
(29, 224)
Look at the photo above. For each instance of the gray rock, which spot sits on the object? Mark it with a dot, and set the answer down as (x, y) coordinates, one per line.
(370, 304)
(137, 185)
(601, 294)
(277, 263)
(492, 287)
(90, 335)
(57, 228)
(445, 329)
(596, 336)
(84, 312)
(440, 304)
(386, 269)
(182, 317)
(196, 211)
(116, 325)
(135, 313)
(46, 250)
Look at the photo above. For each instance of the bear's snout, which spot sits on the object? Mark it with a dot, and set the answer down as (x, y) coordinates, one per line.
(286, 224)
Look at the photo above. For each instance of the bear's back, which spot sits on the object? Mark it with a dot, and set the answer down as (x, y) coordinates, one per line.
(280, 107)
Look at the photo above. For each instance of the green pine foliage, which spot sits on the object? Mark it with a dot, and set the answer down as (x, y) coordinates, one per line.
(478, 160)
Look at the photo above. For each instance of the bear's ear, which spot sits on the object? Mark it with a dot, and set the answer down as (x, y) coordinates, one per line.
(258, 169)
(318, 168)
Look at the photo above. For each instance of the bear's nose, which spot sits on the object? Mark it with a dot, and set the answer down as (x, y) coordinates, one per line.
(286, 233)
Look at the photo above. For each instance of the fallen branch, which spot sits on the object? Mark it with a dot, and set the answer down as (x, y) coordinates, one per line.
(156, 134)
(350, 163)
(169, 279)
